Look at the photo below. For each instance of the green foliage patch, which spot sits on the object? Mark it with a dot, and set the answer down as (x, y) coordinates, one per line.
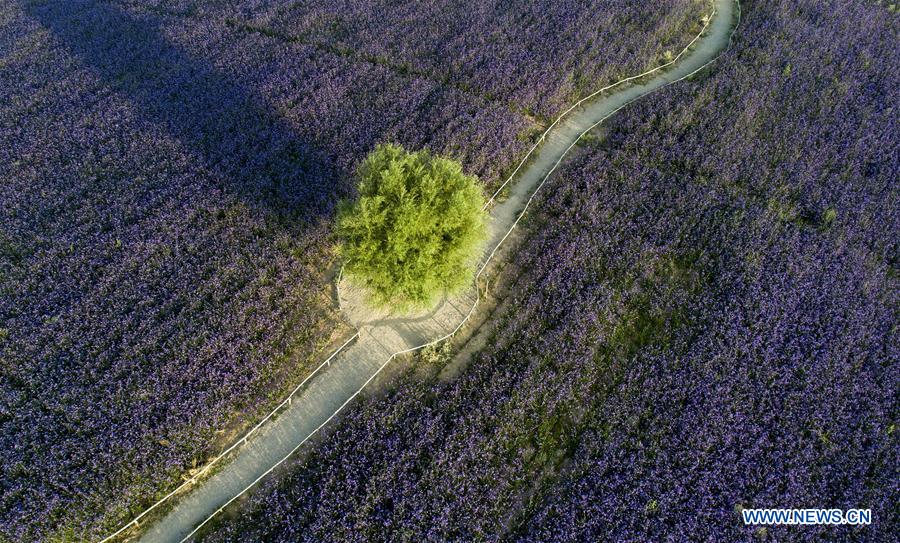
(415, 230)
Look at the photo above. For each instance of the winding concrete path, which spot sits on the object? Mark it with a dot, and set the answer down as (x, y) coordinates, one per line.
(381, 337)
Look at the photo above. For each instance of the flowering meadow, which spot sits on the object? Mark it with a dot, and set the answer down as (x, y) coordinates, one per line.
(169, 173)
(703, 319)
(498, 51)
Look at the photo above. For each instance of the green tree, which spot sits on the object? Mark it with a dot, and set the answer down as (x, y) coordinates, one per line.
(416, 228)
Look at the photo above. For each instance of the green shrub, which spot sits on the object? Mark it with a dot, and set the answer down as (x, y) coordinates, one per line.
(416, 228)
(828, 217)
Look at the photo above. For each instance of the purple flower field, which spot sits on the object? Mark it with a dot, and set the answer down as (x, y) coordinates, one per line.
(703, 320)
(169, 173)
(488, 49)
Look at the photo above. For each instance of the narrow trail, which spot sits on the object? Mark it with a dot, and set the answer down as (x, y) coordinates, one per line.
(382, 337)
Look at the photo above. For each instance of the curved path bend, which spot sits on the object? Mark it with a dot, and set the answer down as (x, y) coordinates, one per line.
(380, 338)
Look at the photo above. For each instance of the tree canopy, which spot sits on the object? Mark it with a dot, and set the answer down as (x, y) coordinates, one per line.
(414, 230)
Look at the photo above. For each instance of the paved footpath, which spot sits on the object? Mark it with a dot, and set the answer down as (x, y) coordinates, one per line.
(380, 336)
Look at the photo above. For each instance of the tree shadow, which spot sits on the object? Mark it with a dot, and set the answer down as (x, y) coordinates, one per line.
(256, 154)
